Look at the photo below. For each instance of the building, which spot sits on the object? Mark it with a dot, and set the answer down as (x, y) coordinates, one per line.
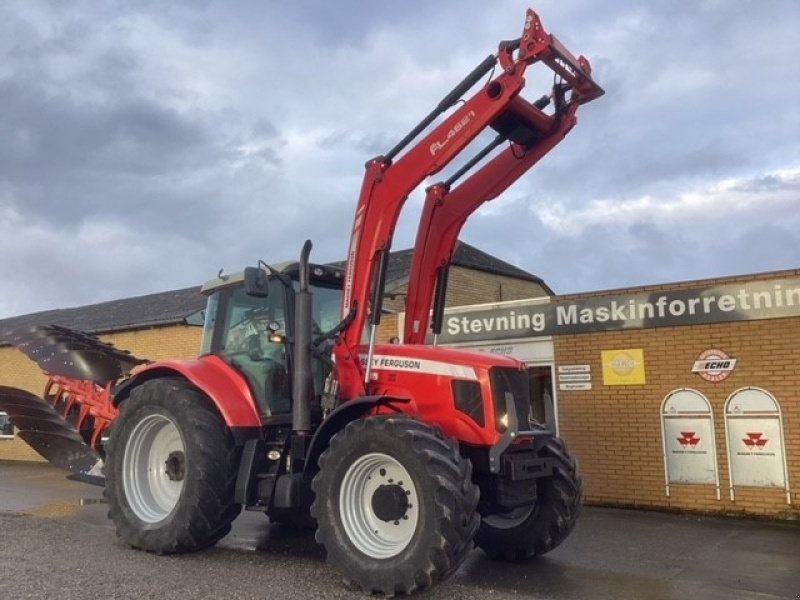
(680, 396)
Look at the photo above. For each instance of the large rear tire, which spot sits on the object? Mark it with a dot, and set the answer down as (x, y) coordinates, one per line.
(395, 505)
(170, 470)
(533, 530)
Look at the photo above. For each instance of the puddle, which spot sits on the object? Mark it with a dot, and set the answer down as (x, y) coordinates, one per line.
(63, 508)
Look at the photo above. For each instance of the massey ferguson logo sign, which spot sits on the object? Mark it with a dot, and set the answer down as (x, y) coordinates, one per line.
(755, 441)
(714, 365)
(688, 439)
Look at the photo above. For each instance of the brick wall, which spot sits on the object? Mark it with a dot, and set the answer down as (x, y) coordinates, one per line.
(16, 370)
(159, 343)
(616, 430)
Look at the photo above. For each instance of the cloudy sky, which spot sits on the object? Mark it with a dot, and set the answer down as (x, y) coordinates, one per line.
(144, 145)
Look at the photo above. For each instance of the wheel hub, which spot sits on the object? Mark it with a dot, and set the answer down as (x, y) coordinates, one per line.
(390, 502)
(379, 505)
(175, 466)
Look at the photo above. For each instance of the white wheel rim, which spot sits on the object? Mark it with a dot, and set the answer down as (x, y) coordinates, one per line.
(371, 535)
(153, 468)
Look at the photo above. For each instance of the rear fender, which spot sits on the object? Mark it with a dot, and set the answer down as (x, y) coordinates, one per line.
(211, 375)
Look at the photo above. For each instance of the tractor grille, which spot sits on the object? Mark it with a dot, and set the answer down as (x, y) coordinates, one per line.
(511, 392)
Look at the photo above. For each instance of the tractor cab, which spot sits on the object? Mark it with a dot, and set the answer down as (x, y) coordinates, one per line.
(249, 324)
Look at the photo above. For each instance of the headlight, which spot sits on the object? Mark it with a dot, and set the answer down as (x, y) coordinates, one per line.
(503, 422)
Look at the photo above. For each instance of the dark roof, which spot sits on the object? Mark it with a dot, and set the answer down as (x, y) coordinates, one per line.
(164, 308)
(175, 306)
(470, 257)
(465, 256)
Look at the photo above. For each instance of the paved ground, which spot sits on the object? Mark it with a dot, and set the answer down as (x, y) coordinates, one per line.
(57, 543)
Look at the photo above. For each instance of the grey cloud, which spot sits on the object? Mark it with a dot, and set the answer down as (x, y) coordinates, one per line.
(69, 154)
(161, 141)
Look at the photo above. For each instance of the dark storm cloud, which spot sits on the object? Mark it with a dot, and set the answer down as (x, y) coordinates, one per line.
(97, 143)
(54, 134)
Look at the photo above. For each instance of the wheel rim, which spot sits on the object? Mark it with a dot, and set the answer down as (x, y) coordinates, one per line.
(154, 467)
(371, 483)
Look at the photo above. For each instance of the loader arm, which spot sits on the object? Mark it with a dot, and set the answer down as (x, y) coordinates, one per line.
(446, 209)
(388, 182)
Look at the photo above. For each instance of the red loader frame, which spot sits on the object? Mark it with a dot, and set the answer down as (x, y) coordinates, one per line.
(388, 183)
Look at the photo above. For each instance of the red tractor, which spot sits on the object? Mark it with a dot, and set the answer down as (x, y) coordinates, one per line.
(401, 455)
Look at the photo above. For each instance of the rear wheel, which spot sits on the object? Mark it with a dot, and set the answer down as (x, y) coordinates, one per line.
(529, 531)
(395, 505)
(170, 470)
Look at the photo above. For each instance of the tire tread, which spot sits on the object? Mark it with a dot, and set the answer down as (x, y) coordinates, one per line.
(205, 518)
(456, 499)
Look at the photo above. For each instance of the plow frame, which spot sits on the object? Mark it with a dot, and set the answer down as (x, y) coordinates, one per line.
(87, 405)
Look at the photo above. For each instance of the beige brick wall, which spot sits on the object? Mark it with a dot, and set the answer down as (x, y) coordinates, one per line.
(16, 370)
(616, 430)
(159, 343)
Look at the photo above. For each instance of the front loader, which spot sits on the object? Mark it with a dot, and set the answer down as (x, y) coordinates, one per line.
(401, 455)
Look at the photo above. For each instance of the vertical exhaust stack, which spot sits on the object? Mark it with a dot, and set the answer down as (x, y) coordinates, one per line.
(301, 377)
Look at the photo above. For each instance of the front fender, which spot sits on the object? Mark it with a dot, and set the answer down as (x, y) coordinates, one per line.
(341, 416)
(225, 387)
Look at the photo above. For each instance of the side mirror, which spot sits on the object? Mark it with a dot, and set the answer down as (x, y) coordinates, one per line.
(256, 282)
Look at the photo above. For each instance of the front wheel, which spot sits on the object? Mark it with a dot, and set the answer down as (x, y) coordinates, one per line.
(532, 530)
(395, 505)
(170, 470)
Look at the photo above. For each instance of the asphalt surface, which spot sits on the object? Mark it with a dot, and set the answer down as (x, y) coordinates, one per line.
(57, 543)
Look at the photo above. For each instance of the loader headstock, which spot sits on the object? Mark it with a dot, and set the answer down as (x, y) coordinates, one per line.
(538, 45)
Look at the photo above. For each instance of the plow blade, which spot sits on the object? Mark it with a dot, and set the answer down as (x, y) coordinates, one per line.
(73, 354)
(66, 425)
(49, 433)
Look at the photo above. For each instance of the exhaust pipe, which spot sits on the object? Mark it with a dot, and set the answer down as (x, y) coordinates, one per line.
(301, 378)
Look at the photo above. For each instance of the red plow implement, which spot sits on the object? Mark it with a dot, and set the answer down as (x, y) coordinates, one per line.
(66, 424)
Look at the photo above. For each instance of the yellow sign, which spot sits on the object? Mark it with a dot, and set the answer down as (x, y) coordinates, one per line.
(623, 367)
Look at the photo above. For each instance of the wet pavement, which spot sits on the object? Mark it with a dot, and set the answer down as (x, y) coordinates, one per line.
(57, 542)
